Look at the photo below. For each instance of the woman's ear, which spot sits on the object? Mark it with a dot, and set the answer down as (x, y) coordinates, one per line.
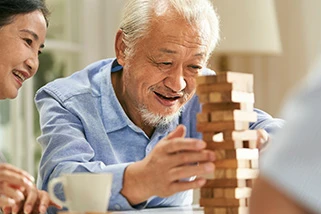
(120, 47)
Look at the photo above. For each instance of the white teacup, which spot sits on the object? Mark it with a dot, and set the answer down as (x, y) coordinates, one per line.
(84, 192)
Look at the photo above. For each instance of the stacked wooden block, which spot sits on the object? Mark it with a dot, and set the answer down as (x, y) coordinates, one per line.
(227, 109)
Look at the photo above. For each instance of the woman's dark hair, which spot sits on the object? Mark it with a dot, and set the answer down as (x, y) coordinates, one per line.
(10, 8)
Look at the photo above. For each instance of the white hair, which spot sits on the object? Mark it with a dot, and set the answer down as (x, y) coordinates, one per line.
(138, 15)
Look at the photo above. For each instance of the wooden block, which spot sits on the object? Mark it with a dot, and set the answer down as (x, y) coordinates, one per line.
(203, 117)
(232, 76)
(240, 135)
(231, 135)
(219, 210)
(221, 87)
(230, 144)
(241, 173)
(224, 145)
(226, 76)
(206, 79)
(223, 202)
(242, 154)
(236, 77)
(218, 192)
(232, 163)
(254, 164)
(225, 183)
(239, 192)
(237, 210)
(206, 192)
(236, 115)
(210, 107)
(251, 144)
(209, 136)
(222, 126)
(245, 154)
(220, 173)
(231, 96)
(208, 210)
(204, 98)
(208, 88)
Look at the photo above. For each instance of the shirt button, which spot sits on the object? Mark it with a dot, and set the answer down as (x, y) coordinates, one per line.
(117, 207)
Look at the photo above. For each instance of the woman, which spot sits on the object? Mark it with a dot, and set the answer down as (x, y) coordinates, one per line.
(23, 27)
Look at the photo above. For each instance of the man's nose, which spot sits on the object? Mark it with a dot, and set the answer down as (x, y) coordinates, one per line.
(175, 80)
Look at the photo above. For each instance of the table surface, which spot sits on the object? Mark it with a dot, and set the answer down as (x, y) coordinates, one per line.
(195, 209)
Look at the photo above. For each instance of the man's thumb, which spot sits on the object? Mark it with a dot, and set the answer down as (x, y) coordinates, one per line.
(180, 131)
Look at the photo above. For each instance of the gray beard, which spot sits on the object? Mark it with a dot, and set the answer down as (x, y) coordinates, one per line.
(157, 120)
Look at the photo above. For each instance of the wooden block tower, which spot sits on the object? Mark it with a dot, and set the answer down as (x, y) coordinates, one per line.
(227, 109)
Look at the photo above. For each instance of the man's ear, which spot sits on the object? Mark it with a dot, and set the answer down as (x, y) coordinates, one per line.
(120, 47)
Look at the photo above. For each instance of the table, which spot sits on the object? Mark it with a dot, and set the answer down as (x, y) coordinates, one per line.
(195, 209)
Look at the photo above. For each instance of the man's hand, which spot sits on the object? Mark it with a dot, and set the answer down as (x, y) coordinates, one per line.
(263, 138)
(163, 171)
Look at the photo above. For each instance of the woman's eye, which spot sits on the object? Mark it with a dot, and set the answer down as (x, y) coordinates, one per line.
(28, 41)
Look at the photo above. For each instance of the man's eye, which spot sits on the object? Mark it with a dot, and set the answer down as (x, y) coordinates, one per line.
(165, 63)
(196, 67)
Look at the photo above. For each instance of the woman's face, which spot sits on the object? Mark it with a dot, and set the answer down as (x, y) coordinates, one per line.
(21, 42)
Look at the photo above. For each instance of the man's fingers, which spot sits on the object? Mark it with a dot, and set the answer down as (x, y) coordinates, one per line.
(184, 144)
(183, 158)
(180, 131)
(263, 137)
(187, 185)
(187, 171)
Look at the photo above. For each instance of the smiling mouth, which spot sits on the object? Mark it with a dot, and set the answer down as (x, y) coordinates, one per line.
(167, 98)
(19, 75)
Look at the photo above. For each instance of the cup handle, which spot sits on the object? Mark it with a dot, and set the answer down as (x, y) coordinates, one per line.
(51, 191)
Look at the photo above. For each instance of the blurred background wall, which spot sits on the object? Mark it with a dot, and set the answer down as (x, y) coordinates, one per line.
(82, 31)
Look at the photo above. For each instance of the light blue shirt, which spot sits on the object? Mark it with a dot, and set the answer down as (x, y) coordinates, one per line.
(292, 160)
(85, 129)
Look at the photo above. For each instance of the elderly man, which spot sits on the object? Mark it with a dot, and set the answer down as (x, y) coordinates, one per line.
(135, 115)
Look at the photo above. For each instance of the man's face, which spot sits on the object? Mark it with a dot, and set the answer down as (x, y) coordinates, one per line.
(160, 77)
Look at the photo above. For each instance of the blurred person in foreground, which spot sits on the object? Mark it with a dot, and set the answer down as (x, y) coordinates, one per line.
(23, 28)
(135, 115)
(290, 169)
